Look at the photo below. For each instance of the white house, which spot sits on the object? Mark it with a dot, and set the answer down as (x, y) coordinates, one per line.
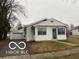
(47, 29)
(75, 30)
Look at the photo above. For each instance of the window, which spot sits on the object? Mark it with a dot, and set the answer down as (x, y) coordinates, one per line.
(61, 31)
(17, 33)
(41, 31)
(33, 30)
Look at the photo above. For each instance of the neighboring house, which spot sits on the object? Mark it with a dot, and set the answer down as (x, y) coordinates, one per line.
(75, 30)
(47, 29)
(17, 32)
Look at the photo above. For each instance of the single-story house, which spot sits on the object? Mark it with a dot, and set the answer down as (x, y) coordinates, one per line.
(47, 29)
(75, 30)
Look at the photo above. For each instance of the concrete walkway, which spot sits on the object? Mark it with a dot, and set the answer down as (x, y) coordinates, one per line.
(71, 44)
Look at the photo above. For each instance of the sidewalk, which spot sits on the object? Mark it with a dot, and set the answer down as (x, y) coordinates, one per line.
(71, 44)
(44, 55)
(57, 54)
(16, 57)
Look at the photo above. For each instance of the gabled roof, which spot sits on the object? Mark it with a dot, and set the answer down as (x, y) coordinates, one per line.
(48, 22)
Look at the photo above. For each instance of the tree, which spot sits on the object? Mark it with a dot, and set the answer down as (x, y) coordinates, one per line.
(7, 10)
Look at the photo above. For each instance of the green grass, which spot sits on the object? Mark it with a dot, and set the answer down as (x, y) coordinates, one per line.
(72, 56)
(72, 39)
(43, 47)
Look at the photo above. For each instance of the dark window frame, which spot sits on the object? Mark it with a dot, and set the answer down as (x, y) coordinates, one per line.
(61, 31)
(42, 31)
(17, 33)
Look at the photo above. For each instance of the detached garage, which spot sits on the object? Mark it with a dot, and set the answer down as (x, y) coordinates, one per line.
(75, 31)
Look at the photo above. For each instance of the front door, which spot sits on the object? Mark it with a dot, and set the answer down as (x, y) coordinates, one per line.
(54, 33)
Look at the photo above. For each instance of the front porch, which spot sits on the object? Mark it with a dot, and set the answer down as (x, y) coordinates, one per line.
(48, 33)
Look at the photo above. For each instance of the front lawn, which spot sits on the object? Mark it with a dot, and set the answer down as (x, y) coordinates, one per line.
(72, 39)
(3, 43)
(43, 47)
(48, 46)
(72, 56)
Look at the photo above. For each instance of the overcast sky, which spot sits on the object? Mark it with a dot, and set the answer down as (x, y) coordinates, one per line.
(66, 11)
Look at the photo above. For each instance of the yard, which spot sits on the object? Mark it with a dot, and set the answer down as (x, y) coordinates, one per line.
(43, 47)
(51, 46)
(3, 42)
(72, 39)
(72, 56)
(48, 46)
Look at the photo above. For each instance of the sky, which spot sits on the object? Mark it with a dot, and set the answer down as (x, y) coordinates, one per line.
(66, 11)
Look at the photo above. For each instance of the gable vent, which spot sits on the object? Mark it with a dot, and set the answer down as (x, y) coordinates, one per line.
(51, 21)
(45, 20)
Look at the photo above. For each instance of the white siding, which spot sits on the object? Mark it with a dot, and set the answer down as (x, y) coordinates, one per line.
(17, 34)
(49, 35)
(61, 37)
(28, 35)
(49, 23)
(75, 32)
